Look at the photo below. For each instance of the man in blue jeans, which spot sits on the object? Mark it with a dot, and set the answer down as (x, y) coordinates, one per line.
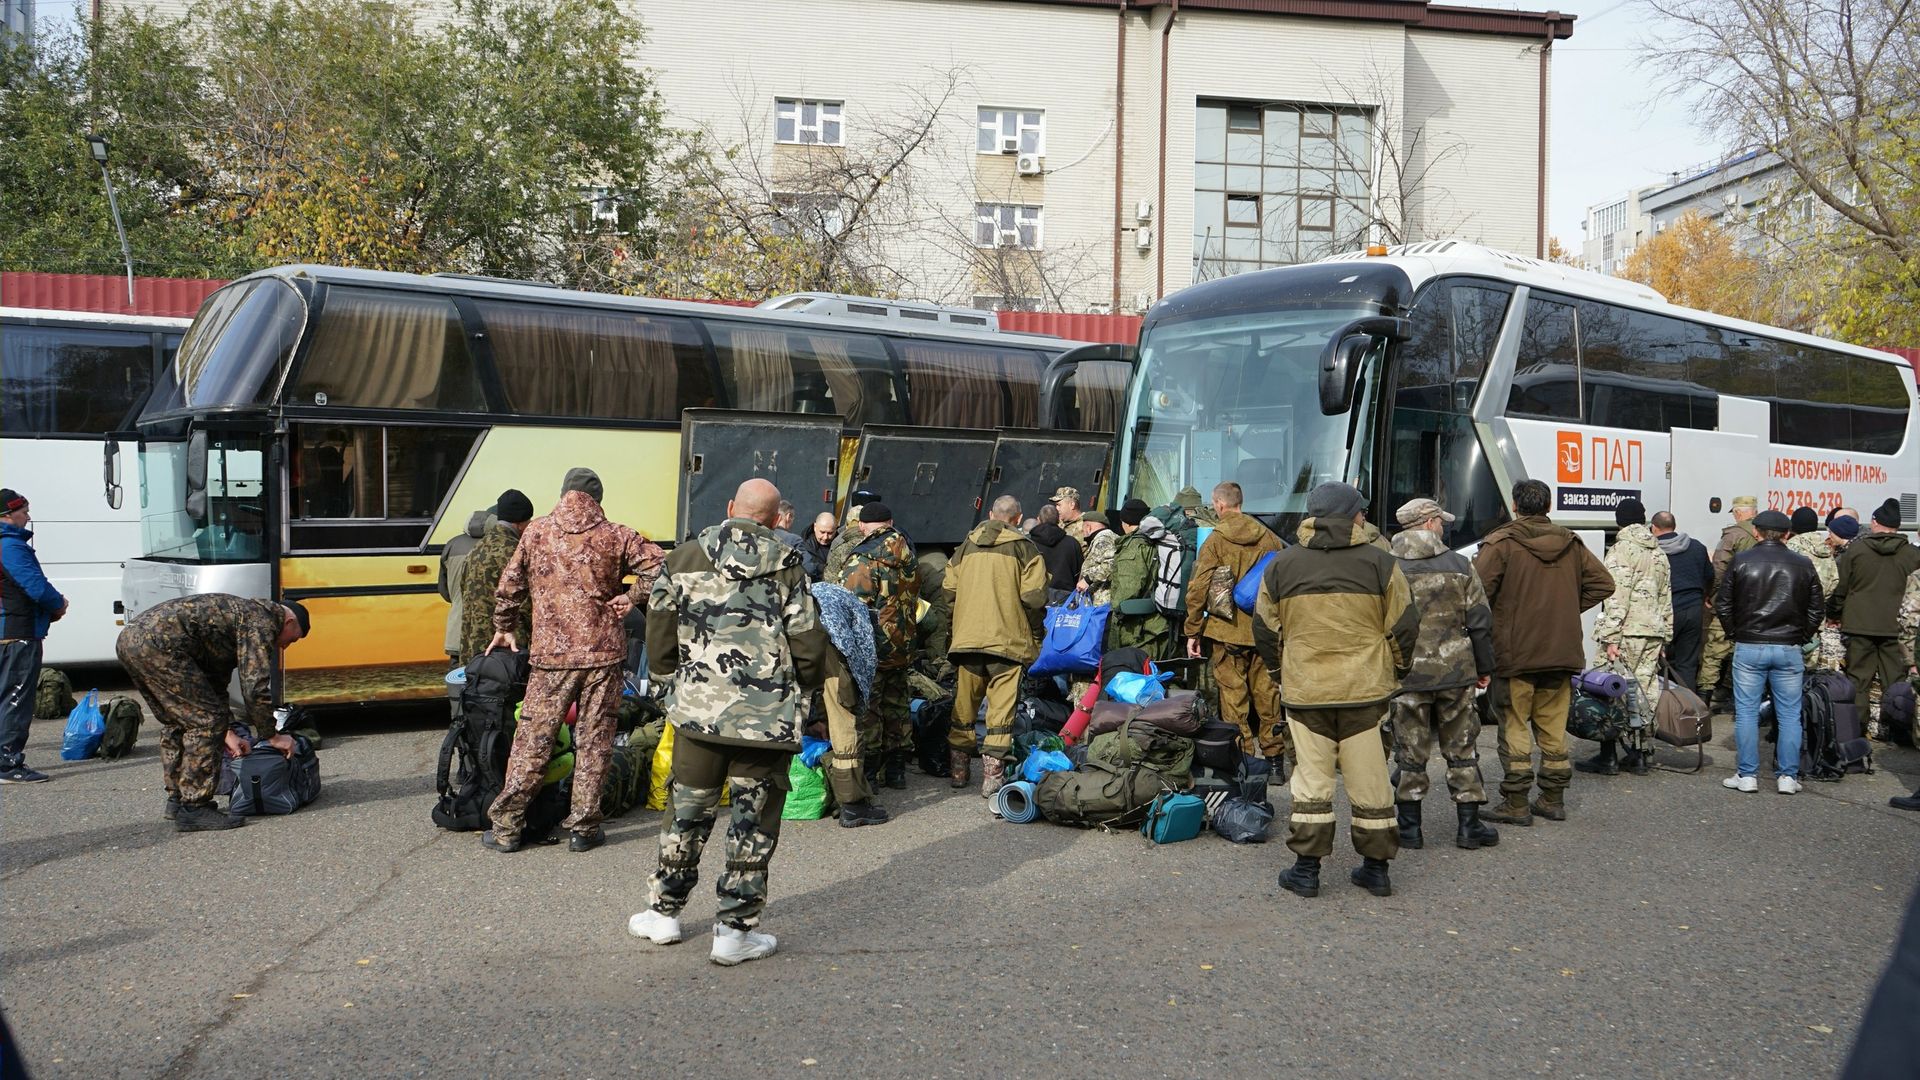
(28, 603)
(1769, 603)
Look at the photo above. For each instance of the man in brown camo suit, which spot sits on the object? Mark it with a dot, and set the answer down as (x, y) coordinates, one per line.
(571, 562)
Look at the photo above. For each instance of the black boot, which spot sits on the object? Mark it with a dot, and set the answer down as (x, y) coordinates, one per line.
(1371, 875)
(1603, 762)
(1303, 878)
(1409, 813)
(204, 818)
(854, 815)
(1277, 770)
(173, 807)
(1474, 833)
(1635, 762)
(1905, 802)
(897, 769)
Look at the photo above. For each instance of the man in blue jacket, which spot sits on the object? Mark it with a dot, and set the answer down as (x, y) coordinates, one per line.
(28, 603)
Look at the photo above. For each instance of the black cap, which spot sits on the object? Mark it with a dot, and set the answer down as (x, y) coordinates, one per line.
(514, 506)
(1887, 515)
(299, 615)
(1134, 511)
(875, 512)
(1805, 520)
(1334, 499)
(1629, 511)
(1772, 521)
(11, 500)
(862, 498)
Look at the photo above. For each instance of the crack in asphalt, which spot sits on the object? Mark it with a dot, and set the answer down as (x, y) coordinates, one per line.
(189, 1056)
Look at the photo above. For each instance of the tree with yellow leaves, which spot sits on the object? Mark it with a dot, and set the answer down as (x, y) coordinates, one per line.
(1696, 263)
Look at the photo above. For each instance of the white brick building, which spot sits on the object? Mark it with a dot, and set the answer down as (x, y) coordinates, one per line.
(1287, 123)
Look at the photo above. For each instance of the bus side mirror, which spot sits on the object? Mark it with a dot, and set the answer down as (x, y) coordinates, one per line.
(1346, 347)
(110, 474)
(196, 503)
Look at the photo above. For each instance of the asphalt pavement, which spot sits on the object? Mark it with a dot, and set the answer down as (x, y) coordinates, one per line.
(1669, 927)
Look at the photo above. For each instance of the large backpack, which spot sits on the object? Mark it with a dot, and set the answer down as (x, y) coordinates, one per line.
(481, 740)
(1098, 794)
(123, 727)
(265, 781)
(1142, 742)
(1173, 560)
(1851, 750)
(53, 696)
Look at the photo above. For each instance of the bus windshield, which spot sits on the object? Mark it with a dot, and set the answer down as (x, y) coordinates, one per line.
(234, 526)
(1237, 398)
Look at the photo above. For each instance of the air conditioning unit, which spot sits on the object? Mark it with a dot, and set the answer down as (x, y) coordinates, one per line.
(1143, 211)
(1028, 165)
(1143, 239)
(1009, 144)
(1009, 238)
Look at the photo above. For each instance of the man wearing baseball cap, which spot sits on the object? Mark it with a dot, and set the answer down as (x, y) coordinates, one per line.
(28, 604)
(1067, 501)
(1451, 658)
(1734, 539)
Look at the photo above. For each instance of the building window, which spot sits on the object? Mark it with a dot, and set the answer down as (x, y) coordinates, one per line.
(1276, 184)
(809, 215)
(1006, 225)
(808, 122)
(1012, 131)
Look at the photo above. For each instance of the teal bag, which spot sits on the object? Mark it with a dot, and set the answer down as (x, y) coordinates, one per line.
(808, 798)
(1173, 817)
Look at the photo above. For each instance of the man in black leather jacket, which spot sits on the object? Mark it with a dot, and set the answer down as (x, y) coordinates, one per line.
(1769, 603)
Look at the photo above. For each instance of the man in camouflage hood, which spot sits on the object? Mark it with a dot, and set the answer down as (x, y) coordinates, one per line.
(569, 565)
(883, 572)
(1633, 630)
(735, 634)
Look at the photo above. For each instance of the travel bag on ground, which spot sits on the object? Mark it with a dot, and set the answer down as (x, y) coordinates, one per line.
(53, 698)
(1174, 816)
(1681, 718)
(1178, 713)
(1852, 752)
(1897, 711)
(473, 757)
(1142, 743)
(1595, 718)
(1217, 745)
(266, 781)
(931, 721)
(1098, 794)
(123, 718)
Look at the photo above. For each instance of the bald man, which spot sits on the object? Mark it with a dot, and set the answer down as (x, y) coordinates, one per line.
(736, 636)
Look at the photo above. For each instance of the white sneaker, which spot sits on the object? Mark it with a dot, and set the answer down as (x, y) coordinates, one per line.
(1741, 783)
(656, 927)
(732, 946)
(1789, 786)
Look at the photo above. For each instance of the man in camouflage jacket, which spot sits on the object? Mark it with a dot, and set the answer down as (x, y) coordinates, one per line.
(479, 575)
(735, 634)
(1716, 674)
(1633, 630)
(884, 573)
(181, 654)
(1827, 651)
(571, 563)
(1452, 657)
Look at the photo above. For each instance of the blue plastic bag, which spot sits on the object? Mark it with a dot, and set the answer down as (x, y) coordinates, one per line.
(85, 728)
(1041, 762)
(1076, 637)
(1135, 688)
(1247, 593)
(812, 750)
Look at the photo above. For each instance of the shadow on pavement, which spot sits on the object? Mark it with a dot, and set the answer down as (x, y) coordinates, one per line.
(67, 950)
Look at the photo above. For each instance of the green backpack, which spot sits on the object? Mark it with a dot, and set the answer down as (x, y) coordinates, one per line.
(1098, 794)
(123, 727)
(53, 698)
(1141, 743)
(626, 782)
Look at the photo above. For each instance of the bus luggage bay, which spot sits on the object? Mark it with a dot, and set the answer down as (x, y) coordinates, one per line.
(324, 432)
(1451, 371)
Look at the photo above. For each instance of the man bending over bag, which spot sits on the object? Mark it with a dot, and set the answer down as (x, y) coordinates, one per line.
(181, 654)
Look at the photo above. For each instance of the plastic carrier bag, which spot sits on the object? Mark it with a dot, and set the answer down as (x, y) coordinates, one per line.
(85, 728)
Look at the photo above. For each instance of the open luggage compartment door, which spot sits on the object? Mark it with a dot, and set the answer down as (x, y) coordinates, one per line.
(932, 478)
(1032, 465)
(722, 448)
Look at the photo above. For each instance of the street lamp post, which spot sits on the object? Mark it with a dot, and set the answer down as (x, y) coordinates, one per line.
(98, 146)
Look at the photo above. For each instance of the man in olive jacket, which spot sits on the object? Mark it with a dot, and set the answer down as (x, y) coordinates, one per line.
(1248, 698)
(1539, 578)
(998, 583)
(1873, 574)
(1336, 627)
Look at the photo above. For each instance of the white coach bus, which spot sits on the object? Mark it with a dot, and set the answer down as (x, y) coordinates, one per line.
(68, 379)
(1448, 370)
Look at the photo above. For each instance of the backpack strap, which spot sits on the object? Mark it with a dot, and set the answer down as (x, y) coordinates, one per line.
(442, 778)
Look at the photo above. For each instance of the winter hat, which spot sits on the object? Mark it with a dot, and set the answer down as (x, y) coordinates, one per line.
(1805, 520)
(586, 480)
(11, 501)
(1772, 521)
(514, 507)
(874, 512)
(1887, 515)
(1629, 511)
(1844, 527)
(1334, 499)
(1134, 511)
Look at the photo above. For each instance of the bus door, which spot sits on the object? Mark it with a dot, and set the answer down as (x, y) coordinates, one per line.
(1085, 389)
(932, 478)
(1709, 469)
(1032, 465)
(720, 449)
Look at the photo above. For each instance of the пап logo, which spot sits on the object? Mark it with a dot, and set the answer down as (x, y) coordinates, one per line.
(1570, 462)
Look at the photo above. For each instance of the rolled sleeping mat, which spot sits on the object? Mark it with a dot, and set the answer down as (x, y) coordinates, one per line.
(1014, 802)
(1603, 684)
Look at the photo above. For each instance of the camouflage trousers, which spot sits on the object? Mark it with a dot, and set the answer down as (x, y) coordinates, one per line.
(192, 713)
(549, 693)
(1445, 717)
(1639, 661)
(760, 784)
(1249, 700)
(1828, 649)
(1347, 742)
(980, 676)
(845, 771)
(1533, 708)
(888, 724)
(1716, 660)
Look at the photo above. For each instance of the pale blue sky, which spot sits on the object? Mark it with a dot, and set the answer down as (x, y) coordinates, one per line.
(1612, 126)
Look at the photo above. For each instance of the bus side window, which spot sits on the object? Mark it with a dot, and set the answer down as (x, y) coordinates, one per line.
(956, 384)
(1432, 450)
(560, 361)
(772, 369)
(1546, 378)
(71, 381)
(372, 488)
(382, 350)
